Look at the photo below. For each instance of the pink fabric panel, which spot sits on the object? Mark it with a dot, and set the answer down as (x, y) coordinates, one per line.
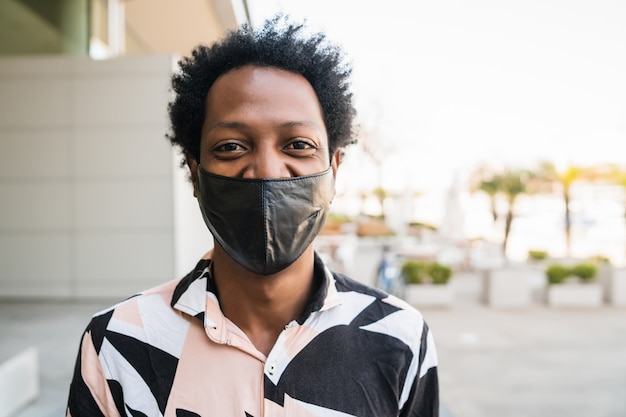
(215, 380)
(129, 313)
(95, 379)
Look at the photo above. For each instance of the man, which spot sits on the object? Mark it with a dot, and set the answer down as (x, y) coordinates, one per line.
(260, 327)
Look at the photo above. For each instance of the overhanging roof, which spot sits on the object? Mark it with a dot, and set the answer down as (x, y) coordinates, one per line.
(177, 26)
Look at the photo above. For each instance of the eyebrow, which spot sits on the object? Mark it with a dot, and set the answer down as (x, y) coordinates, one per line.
(229, 125)
(243, 126)
(305, 124)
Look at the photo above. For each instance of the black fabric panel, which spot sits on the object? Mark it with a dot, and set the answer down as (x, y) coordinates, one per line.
(98, 327)
(349, 370)
(423, 345)
(156, 367)
(424, 397)
(184, 283)
(210, 283)
(136, 413)
(272, 392)
(200, 316)
(80, 402)
(118, 395)
(184, 413)
(423, 348)
(345, 284)
(373, 313)
(320, 281)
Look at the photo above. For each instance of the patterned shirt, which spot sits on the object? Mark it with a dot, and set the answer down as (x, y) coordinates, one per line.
(170, 351)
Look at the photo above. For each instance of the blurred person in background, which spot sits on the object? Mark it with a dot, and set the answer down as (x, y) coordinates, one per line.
(260, 327)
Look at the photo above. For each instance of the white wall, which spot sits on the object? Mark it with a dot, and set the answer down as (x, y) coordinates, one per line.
(86, 177)
(192, 239)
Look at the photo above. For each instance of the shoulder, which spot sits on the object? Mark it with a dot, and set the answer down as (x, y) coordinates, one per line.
(384, 312)
(346, 284)
(131, 316)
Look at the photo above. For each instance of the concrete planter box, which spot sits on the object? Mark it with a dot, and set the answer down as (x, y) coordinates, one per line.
(507, 287)
(429, 295)
(605, 279)
(617, 288)
(19, 381)
(575, 295)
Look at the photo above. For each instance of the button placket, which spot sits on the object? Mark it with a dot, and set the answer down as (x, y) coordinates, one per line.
(271, 368)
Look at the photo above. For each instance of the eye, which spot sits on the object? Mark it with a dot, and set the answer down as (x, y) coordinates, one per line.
(300, 145)
(228, 150)
(229, 147)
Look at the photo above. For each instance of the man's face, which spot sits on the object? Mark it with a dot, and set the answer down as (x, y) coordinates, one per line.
(263, 122)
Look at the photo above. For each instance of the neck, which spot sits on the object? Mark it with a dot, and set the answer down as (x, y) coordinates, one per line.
(261, 305)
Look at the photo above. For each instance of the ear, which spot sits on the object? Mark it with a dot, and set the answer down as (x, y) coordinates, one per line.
(192, 164)
(335, 161)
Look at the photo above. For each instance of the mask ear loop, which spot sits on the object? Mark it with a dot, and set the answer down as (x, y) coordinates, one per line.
(196, 187)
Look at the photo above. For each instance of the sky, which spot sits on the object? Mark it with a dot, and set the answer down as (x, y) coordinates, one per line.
(443, 86)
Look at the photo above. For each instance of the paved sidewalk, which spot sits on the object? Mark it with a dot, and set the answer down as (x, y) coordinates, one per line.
(493, 363)
(533, 362)
(54, 328)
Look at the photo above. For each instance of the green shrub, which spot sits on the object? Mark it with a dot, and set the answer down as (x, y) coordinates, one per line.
(537, 255)
(413, 272)
(439, 274)
(600, 259)
(421, 272)
(586, 271)
(341, 218)
(556, 273)
(423, 225)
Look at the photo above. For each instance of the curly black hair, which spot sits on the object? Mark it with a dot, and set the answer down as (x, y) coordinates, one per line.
(278, 43)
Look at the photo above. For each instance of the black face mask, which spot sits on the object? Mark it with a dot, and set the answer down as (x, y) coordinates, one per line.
(265, 224)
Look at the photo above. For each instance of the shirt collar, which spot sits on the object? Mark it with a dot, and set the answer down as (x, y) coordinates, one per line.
(196, 294)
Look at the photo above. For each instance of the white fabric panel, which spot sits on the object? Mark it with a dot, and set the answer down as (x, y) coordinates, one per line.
(136, 395)
(164, 328)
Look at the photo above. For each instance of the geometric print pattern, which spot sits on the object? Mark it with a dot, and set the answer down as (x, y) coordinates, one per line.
(169, 351)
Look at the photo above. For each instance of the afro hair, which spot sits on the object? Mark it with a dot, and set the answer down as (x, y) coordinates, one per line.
(280, 44)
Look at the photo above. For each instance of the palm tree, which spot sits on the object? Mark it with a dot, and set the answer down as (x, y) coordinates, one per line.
(363, 198)
(511, 184)
(565, 178)
(381, 194)
(491, 187)
(489, 183)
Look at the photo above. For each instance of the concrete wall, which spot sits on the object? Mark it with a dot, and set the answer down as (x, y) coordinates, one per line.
(87, 178)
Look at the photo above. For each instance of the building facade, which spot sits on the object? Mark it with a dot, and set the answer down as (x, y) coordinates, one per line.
(93, 203)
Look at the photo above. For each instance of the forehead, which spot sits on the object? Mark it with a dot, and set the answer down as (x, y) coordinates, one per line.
(267, 92)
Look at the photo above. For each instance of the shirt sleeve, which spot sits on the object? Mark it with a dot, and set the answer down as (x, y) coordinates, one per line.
(423, 398)
(90, 393)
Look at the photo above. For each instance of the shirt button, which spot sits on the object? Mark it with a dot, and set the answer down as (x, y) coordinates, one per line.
(271, 368)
